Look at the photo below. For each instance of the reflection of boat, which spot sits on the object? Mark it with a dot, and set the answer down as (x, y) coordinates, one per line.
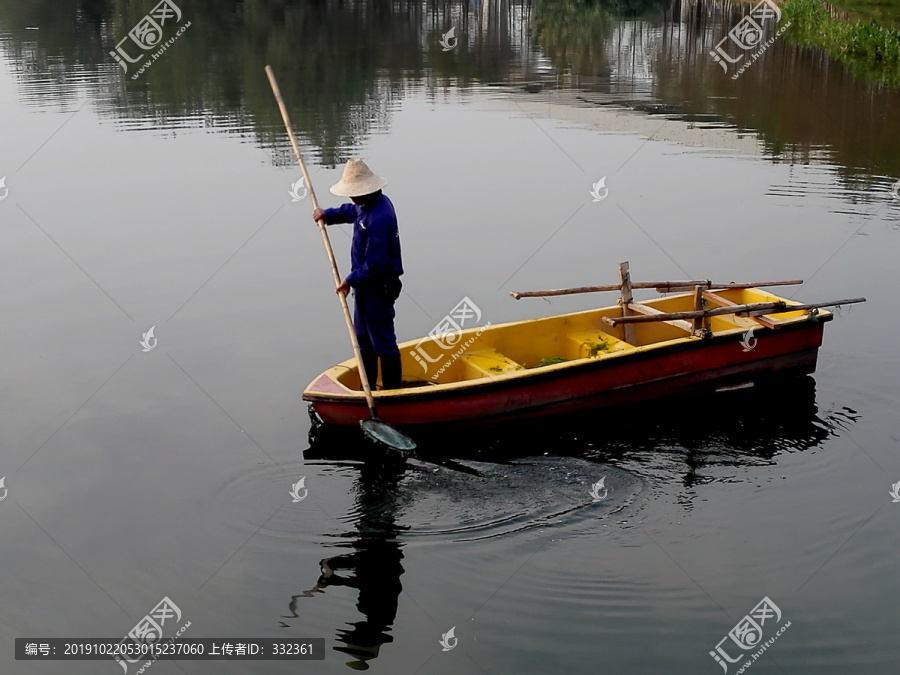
(759, 422)
(699, 341)
(686, 441)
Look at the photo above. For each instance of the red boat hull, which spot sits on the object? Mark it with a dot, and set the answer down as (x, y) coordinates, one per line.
(684, 368)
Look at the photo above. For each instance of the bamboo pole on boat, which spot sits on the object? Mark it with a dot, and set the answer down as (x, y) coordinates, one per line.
(752, 309)
(725, 302)
(660, 286)
(639, 308)
(625, 284)
(699, 322)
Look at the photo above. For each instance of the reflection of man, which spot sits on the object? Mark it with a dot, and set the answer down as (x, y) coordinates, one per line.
(375, 268)
(375, 567)
(376, 570)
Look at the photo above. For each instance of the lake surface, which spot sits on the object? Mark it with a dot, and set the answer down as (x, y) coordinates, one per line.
(170, 201)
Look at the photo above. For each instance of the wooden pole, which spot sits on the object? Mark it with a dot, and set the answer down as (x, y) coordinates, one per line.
(725, 302)
(699, 322)
(639, 308)
(752, 309)
(625, 283)
(660, 286)
(364, 380)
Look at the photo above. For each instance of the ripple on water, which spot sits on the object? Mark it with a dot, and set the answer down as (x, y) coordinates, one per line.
(499, 499)
(259, 497)
(480, 501)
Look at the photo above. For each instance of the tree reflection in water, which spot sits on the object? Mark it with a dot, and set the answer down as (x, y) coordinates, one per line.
(344, 68)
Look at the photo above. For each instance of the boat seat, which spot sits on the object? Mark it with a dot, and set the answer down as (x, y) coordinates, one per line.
(487, 362)
(592, 343)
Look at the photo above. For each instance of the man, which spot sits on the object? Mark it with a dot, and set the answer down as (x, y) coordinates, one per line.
(375, 268)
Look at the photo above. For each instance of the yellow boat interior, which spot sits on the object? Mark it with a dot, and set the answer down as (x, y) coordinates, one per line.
(556, 342)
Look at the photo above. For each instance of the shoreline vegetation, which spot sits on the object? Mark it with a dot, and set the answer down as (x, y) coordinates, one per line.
(867, 43)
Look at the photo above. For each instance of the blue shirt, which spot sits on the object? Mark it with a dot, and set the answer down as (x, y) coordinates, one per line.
(375, 249)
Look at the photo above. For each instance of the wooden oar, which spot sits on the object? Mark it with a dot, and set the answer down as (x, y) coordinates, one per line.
(373, 428)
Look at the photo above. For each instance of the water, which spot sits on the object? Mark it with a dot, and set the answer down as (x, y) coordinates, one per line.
(164, 201)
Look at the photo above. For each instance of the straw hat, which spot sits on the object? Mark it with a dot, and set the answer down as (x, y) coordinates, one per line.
(357, 180)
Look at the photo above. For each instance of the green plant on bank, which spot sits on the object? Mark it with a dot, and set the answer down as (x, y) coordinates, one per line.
(574, 33)
(883, 12)
(868, 50)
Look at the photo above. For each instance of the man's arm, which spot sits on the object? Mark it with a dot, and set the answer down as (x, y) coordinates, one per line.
(346, 213)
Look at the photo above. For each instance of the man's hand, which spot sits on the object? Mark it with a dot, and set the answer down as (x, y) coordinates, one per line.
(318, 215)
(343, 289)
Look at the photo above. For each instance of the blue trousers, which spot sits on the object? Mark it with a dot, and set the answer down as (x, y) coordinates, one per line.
(373, 319)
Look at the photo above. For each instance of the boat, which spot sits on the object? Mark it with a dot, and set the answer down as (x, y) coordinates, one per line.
(698, 337)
